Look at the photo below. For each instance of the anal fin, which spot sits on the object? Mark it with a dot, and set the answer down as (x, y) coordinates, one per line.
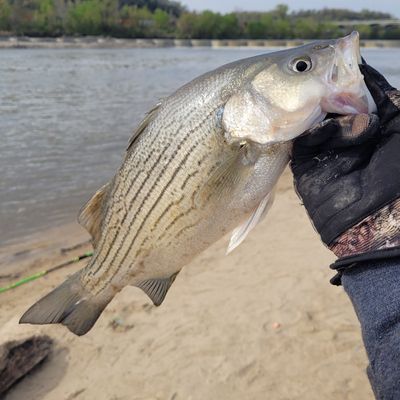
(157, 289)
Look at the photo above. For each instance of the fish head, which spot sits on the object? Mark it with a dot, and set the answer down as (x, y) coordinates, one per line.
(298, 87)
(347, 92)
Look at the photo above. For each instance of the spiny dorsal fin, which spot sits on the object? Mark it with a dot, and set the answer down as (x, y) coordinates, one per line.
(142, 126)
(92, 213)
(157, 289)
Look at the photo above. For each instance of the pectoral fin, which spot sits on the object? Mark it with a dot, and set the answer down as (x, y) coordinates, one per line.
(240, 233)
(157, 289)
(233, 171)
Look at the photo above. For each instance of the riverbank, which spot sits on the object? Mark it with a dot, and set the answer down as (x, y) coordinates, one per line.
(9, 42)
(263, 322)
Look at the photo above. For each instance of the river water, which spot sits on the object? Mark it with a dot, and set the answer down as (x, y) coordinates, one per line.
(66, 116)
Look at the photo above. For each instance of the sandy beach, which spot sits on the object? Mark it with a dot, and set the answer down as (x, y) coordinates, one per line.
(260, 323)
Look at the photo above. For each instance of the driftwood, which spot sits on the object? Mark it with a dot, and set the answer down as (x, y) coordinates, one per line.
(18, 357)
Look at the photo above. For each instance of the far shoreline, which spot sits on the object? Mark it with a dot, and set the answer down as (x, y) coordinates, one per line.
(99, 42)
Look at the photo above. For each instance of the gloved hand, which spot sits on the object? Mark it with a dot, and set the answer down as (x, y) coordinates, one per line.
(347, 173)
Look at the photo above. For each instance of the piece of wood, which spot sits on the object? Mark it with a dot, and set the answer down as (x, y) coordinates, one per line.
(18, 357)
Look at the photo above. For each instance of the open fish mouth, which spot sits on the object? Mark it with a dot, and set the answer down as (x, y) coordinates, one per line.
(348, 91)
(347, 103)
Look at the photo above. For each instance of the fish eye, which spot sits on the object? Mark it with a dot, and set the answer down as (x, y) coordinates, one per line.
(302, 64)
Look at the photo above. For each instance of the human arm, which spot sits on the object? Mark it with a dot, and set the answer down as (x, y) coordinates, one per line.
(347, 173)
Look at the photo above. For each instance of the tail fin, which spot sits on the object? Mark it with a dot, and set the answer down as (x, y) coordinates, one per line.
(69, 304)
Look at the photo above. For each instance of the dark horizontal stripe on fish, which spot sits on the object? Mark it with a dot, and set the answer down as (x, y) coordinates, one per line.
(199, 162)
(183, 140)
(135, 167)
(193, 174)
(176, 171)
(188, 211)
(174, 221)
(116, 253)
(147, 238)
(101, 263)
(182, 163)
(111, 205)
(181, 215)
(174, 203)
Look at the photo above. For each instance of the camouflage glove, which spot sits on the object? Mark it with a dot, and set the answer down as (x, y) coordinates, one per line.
(347, 173)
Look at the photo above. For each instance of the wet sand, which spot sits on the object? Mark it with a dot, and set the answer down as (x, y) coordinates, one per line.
(261, 323)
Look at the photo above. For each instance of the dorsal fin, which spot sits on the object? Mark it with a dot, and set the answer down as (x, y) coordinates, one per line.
(92, 213)
(142, 126)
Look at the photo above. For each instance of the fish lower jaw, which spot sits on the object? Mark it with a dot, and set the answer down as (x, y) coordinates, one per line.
(346, 103)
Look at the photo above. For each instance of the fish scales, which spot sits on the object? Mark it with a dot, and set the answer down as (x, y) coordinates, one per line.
(202, 162)
(185, 130)
(159, 181)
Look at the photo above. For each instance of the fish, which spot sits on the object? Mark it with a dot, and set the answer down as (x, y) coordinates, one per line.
(202, 163)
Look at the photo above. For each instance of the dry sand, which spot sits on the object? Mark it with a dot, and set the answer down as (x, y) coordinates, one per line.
(261, 323)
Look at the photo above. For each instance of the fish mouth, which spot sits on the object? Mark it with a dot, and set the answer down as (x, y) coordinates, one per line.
(346, 103)
(348, 91)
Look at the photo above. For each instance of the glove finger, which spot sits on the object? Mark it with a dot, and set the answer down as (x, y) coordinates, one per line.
(318, 134)
(331, 163)
(308, 145)
(376, 83)
(353, 130)
(341, 131)
(338, 140)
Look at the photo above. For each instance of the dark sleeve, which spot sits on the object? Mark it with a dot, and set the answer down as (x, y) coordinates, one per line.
(374, 290)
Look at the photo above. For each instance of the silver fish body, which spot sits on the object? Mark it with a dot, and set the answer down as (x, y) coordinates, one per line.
(179, 191)
(203, 162)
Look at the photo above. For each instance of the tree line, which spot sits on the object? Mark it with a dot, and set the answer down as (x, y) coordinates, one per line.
(170, 19)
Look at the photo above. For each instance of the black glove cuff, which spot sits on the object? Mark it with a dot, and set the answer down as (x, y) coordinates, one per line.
(357, 261)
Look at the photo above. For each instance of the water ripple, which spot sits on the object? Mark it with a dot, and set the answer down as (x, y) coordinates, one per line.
(66, 116)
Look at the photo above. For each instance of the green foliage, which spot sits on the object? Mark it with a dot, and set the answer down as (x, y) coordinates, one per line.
(229, 27)
(185, 24)
(365, 31)
(207, 26)
(392, 32)
(280, 11)
(255, 30)
(306, 28)
(282, 29)
(85, 18)
(340, 14)
(170, 7)
(45, 21)
(162, 22)
(5, 15)
(165, 18)
(136, 22)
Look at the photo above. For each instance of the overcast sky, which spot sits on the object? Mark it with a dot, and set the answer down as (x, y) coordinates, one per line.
(391, 6)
